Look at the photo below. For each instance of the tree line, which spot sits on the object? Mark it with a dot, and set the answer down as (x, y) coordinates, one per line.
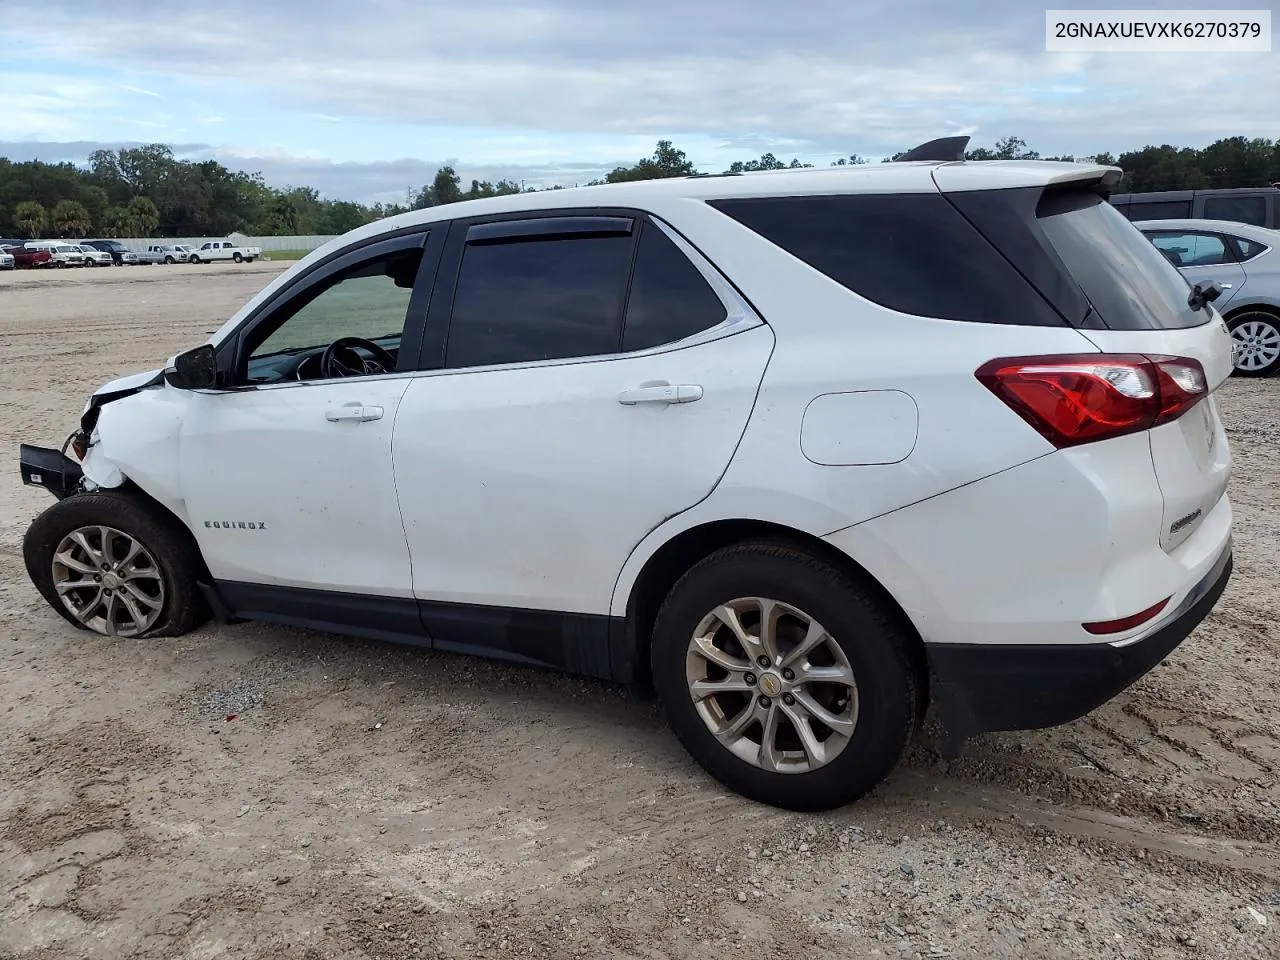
(147, 191)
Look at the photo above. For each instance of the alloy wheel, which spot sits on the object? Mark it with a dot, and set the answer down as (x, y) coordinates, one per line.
(108, 581)
(772, 685)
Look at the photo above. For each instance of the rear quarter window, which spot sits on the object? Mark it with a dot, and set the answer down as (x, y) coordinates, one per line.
(913, 253)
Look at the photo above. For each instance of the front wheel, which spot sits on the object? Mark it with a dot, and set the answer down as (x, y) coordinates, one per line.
(784, 678)
(115, 565)
(237, 258)
(1255, 336)
(193, 259)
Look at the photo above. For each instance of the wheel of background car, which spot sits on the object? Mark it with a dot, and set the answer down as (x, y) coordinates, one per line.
(1255, 336)
(237, 258)
(340, 359)
(117, 565)
(783, 677)
(193, 259)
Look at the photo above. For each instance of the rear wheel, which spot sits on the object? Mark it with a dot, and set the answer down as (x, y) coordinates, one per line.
(168, 259)
(783, 677)
(113, 564)
(1256, 340)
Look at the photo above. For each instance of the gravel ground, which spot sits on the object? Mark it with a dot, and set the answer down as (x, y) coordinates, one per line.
(262, 792)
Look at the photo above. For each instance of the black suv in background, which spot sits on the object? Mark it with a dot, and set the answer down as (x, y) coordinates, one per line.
(119, 252)
(1259, 206)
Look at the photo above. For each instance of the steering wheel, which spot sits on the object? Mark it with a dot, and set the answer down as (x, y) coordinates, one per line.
(340, 359)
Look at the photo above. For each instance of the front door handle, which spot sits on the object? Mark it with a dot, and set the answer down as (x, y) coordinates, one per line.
(661, 393)
(357, 412)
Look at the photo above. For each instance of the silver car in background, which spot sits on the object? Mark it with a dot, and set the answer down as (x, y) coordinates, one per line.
(1245, 262)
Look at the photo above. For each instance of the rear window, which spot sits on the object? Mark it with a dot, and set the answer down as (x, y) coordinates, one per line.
(913, 253)
(1129, 283)
(1240, 209)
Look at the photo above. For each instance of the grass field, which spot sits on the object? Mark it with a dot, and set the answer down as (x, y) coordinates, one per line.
(284, 254)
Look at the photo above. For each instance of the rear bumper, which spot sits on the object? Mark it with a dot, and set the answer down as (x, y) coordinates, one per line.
(980, 687)
(51, 469)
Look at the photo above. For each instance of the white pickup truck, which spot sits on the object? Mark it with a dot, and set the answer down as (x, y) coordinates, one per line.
(224, 250)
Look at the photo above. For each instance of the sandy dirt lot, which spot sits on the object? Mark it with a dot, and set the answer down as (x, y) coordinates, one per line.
(383, 802)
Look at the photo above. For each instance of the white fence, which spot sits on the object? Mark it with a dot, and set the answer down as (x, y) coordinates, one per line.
(267, 244)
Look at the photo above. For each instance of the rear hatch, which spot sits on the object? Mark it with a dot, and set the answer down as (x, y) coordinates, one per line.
(1142, 300)
(1123, 295)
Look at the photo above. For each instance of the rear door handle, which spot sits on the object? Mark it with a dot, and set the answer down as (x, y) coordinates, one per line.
(661, 393)
(357, 412)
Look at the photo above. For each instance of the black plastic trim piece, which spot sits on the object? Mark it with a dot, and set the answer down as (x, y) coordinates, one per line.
(578, 643)
(542, 228)
(979, 688)
(584, 644)
(48, 468)
(393, 619)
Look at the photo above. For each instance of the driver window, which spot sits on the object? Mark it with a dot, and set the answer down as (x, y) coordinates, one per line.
(369, 301)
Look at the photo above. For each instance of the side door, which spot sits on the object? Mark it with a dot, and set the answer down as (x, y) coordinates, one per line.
(287, 472)
(554, 436)
(1202, 257)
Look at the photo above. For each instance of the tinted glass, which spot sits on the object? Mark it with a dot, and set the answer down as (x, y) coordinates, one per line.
(669, 299)
(1127, 280)
(1159, 210)
(913, 253)
(1240, 209)
(1249, 248)
(1192, 249)
(546, 299)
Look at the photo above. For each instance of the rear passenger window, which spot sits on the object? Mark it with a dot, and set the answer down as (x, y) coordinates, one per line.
(1249, 248)
(1240, 209)
(913, 253)
(670, 299)
(546, 299)
(1159, 210)
(1193, 249)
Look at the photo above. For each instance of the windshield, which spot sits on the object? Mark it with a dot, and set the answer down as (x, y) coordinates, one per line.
(1129, 283)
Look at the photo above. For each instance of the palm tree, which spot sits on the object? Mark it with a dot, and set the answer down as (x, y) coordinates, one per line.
(71, 219)
(144, 216)
(31, 217)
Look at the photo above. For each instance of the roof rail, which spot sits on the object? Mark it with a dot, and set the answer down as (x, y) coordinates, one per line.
(943, 148)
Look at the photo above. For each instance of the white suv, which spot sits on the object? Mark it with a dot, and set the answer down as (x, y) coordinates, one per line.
(808, 449)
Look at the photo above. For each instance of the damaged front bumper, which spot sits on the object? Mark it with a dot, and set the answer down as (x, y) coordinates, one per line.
(51, 469)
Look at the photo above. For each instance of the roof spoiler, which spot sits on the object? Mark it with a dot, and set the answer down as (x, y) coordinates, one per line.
(943, 148)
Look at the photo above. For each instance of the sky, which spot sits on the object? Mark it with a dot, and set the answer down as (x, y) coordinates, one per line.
(366, 99)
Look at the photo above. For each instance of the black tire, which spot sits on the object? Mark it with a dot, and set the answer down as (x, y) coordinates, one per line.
(168, 259)
(171, 544)
(193, 259)
(875, 645)
(1269, 321)
(237, 258)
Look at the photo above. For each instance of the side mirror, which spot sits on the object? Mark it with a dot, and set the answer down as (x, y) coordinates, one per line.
(194, 370)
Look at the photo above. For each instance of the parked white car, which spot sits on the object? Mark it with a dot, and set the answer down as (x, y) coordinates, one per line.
(1245, 263)
(60, 254)
(7, 261)
(94, 257)
(224, 250)
(809, 449)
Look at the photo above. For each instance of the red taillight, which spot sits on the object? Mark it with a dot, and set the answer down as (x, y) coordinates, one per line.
(1080, 398)
(1126, 623)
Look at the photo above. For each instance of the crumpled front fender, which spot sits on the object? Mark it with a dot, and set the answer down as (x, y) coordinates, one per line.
(100, 470)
